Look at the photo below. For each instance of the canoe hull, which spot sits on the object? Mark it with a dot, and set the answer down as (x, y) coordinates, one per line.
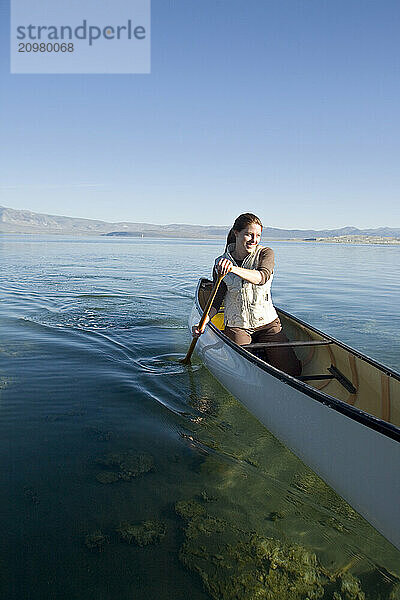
(357, 461)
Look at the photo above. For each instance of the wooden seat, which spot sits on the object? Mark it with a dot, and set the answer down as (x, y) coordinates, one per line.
(334, 373)
(259, 346)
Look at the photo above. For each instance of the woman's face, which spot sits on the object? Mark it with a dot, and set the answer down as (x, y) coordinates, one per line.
(247, 239)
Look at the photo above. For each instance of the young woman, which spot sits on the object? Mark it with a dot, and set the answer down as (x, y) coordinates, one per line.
(249, 313)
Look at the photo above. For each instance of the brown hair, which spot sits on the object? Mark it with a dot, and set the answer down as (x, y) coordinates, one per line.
(240, 223)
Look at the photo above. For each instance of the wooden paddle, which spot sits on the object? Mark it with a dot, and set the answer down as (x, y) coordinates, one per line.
(210, 300)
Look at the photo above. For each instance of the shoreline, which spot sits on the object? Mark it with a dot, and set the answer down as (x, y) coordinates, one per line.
(358, 239)
(345, 239)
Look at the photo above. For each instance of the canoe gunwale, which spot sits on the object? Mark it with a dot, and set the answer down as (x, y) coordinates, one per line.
(379, 425)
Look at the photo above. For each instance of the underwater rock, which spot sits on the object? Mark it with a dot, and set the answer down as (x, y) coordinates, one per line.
(205, 525)
(96, 540)
(256, 568)
(350, 588)
(189, 509)
(242, 565)
(135, 465)
(107, 477)
(143, 534)
(129, 465)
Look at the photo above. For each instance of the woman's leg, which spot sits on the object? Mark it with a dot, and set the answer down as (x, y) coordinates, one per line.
(282, 358)
(238, 335)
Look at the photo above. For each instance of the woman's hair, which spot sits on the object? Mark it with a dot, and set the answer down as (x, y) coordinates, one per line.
(240, 223)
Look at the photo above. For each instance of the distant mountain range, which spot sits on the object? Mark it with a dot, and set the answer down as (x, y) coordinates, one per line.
(24, 221)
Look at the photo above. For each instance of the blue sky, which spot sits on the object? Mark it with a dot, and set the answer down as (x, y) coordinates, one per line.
(285, 108)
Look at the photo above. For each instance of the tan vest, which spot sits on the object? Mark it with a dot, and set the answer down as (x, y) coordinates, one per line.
(247, 305)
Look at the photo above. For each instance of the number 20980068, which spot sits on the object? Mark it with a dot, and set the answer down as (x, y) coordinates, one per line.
(43, 47)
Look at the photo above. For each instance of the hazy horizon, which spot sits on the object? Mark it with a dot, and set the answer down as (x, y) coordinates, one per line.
(190, 224)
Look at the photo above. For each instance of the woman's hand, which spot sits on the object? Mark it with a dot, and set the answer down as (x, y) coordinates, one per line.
(224, 266)
(196, 331)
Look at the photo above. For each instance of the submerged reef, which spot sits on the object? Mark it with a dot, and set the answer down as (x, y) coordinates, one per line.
(107, 477)
(124, 465)
(235, 564)
(189, 509)
(142, 534)
(96, 540)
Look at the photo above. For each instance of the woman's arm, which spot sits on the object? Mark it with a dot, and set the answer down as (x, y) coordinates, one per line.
(254, 276)
(251, 275)
(224, 266)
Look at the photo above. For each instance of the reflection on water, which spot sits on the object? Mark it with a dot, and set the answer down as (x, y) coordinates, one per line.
(126, 474)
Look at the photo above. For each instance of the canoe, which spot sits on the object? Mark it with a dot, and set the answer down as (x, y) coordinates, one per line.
(341, 416)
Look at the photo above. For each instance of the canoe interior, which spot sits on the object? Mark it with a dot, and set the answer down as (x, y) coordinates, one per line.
(376, 389)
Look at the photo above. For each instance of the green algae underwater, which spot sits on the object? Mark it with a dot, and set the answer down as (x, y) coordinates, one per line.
(264, 553)
(241, 537)
(237, 564)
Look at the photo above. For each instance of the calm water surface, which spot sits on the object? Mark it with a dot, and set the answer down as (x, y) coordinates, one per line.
(90, 333)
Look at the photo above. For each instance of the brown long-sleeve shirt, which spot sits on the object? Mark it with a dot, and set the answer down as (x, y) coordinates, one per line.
(265, 267)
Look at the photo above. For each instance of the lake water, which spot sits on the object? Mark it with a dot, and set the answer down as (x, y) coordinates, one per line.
(102, 429)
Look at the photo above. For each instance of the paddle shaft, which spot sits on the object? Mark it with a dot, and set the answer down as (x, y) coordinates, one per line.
(207, 308)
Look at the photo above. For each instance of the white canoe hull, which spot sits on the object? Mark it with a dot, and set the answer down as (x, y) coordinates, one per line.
(358, 461)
